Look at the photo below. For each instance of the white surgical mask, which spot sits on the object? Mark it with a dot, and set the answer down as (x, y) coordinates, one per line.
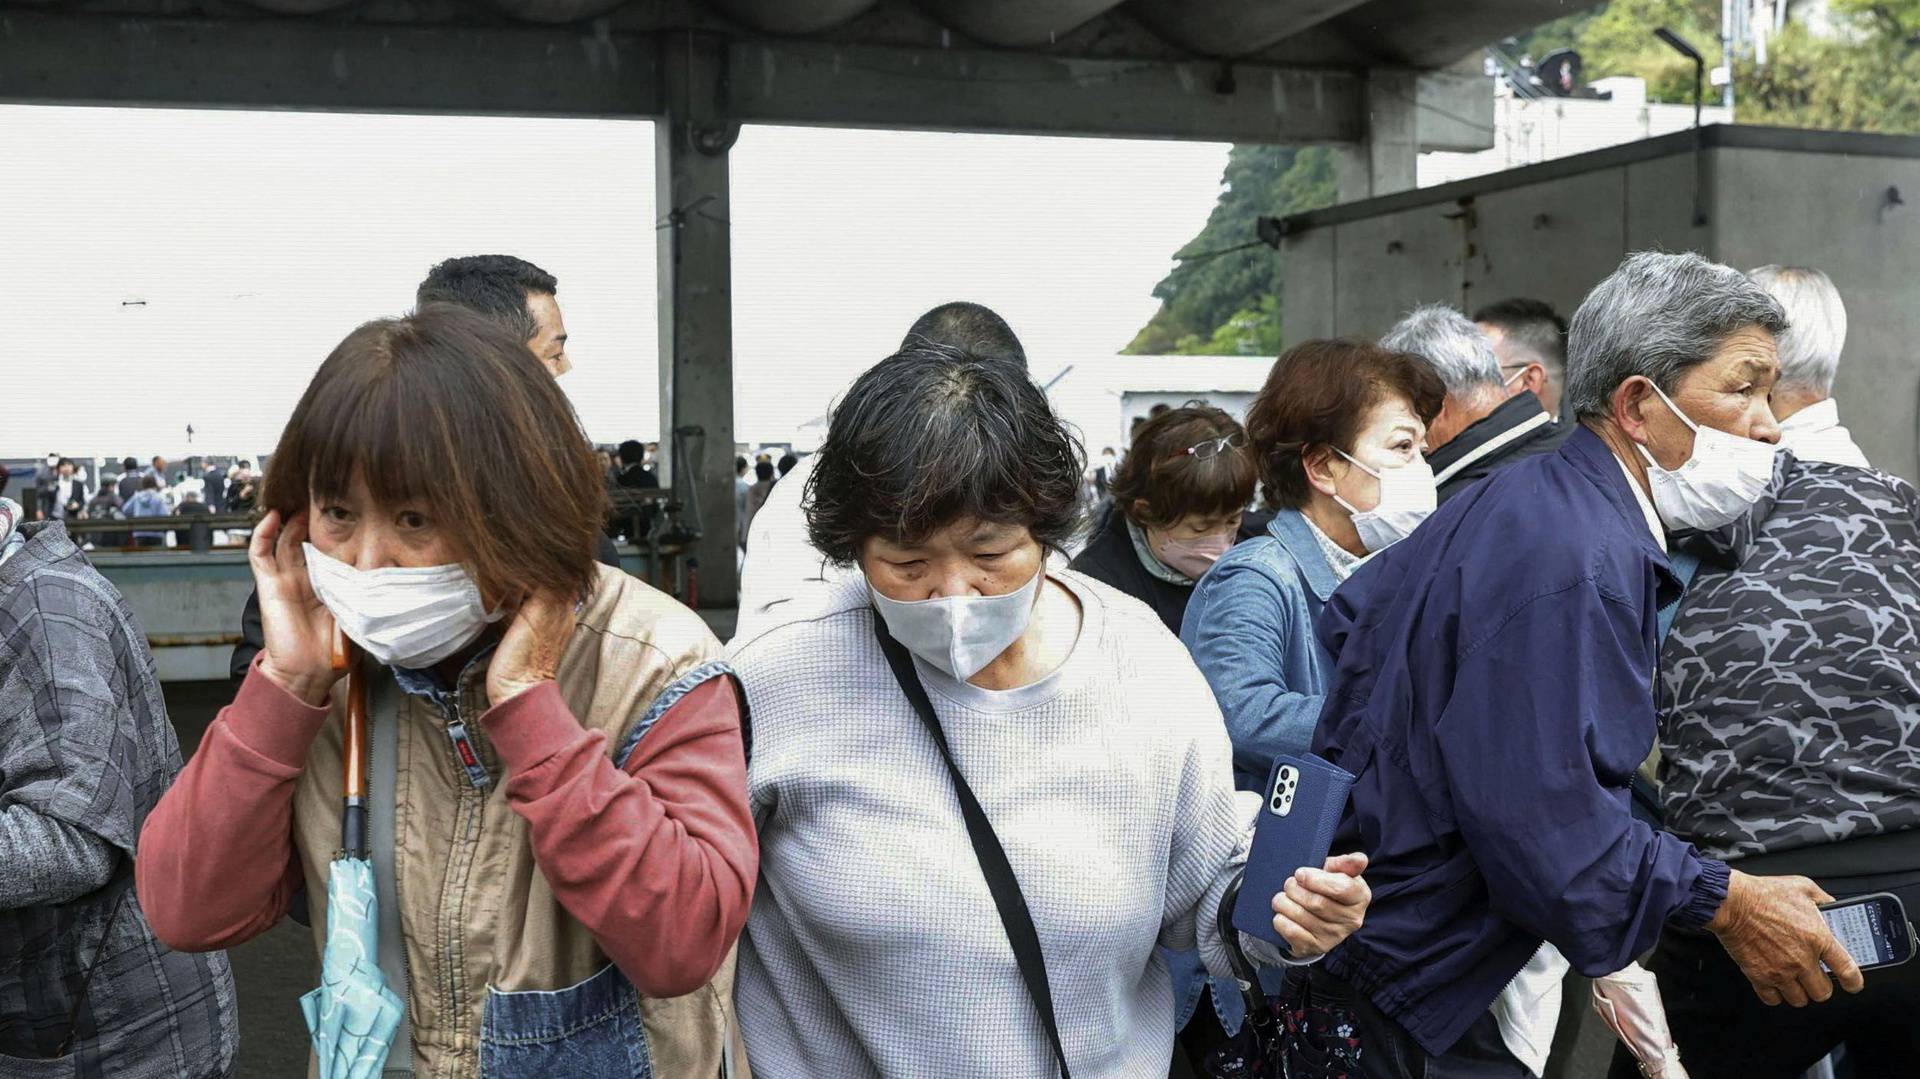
(1407, 496)
(403, 616)
(1716, 485)
(959, 634)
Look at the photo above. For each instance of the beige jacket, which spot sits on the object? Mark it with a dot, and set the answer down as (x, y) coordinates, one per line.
(475, 912)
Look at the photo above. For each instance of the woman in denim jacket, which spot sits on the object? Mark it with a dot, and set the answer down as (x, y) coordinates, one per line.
(1337, 436)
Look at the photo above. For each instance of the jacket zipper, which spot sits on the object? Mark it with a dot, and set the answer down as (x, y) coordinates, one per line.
(454, 891)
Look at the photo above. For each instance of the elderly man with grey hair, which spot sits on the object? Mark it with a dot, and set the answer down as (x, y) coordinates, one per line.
(1790, 714)
(1493, 696)
(1809, 356)
(1489, 421)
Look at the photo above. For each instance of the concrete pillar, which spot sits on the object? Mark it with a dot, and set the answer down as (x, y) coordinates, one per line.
(1383, 161)
(696, 308)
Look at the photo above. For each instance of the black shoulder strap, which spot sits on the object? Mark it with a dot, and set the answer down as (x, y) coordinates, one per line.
(1014, 916)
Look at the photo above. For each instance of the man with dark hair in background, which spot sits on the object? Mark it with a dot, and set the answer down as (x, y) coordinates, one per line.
(634, 475)
(511, 291)
(1529, 336)
(129, 478)
(781, 560)
(215, 479)
(788, 462)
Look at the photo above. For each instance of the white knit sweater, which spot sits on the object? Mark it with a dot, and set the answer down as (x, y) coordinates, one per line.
(874, 948)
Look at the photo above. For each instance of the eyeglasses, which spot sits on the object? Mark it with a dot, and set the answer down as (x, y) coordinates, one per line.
(1214, 447)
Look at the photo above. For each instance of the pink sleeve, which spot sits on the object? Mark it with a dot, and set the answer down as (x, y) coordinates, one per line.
(657, 860)
(216, 864)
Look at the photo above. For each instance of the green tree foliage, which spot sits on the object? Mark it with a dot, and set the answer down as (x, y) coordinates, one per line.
(1872, 84)
(1892, 18)
(1619, 40)
(1230, 303)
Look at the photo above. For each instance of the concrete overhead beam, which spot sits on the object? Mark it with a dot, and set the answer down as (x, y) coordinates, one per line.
(798, 82)
(52, 58)
(57, 58)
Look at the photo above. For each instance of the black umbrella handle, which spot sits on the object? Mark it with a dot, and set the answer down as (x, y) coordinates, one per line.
(353, 828)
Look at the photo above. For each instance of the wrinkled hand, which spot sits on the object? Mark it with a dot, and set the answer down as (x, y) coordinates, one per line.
(530, 652)
(1319, 908)
(297, 627)
(1773, 929)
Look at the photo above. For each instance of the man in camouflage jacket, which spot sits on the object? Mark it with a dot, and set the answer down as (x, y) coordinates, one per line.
(1790, 743)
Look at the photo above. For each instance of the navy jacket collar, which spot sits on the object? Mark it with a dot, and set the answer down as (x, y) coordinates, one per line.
(1297, 538)
(1512, 412)
(1589, 456)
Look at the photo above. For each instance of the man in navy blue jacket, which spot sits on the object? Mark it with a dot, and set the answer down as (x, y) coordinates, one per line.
(1493, 694)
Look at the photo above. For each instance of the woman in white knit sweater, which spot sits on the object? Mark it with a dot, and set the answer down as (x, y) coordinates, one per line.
(1088, 738)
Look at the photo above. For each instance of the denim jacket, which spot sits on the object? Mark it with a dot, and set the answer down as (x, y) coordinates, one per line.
(1249, 627)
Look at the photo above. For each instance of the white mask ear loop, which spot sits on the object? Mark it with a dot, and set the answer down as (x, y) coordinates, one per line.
(1355, 461)
(1683, 417)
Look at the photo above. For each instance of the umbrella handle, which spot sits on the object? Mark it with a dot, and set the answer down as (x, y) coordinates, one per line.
(353, 812)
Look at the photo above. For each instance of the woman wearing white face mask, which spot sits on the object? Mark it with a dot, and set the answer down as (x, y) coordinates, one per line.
(986, 790)
(558, 823)
(1177, 507)
(1336, 435)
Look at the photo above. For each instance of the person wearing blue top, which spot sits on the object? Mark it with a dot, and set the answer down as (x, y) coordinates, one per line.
(1336, 436)
(1493, 695)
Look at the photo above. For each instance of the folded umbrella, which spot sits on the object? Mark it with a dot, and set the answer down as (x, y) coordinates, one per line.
(1629, 1002)
(353, 1016)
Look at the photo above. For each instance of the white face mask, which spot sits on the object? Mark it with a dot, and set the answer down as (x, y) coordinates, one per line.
(1407, 496)
(411, 617)
(1719, 482)
(959, 634)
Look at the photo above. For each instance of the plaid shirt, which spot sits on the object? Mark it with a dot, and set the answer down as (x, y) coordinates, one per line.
(85, 741)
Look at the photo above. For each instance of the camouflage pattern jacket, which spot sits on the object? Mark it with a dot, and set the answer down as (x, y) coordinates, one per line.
(1790, 705)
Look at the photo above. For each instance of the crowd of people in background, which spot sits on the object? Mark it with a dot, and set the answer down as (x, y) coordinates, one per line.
(1612, 623)
(65, 490)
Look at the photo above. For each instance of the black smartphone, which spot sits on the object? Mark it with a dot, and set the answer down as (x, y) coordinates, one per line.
(1872, 928)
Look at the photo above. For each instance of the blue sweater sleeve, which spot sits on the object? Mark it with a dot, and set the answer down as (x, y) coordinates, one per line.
(1241, 626)
(1547, 719)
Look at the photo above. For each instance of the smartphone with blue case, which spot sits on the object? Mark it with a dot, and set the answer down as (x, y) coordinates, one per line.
(1304, 799)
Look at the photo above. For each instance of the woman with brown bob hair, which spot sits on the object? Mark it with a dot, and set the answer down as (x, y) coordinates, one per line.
(558, 821)
(1336, 437)
(1178, 498)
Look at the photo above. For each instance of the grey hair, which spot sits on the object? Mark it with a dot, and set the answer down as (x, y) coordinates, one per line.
(1658, 315)
(1458, 350)
(1810, 351)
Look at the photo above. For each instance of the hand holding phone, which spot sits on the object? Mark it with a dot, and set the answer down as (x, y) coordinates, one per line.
(1304, 798)
(1872, 928)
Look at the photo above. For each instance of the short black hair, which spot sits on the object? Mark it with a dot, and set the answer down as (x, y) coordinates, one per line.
(740, 466)
(969, 327)
(763, 471)
(129, 464)
(934, 434)
(632, 452)
(494, 285)
(1534, 325)
(787, 463)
